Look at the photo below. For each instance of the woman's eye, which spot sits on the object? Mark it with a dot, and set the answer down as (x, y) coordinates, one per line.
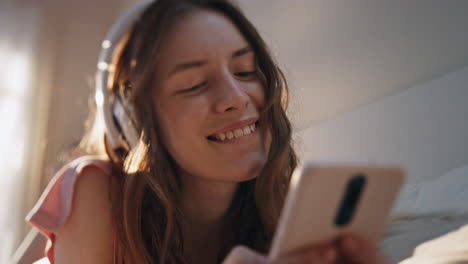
(194, 88)
(246, 74)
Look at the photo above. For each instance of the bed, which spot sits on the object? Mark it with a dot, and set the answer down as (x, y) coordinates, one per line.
(427, 210)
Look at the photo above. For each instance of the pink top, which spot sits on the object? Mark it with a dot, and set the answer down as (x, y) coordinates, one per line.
(54, 206)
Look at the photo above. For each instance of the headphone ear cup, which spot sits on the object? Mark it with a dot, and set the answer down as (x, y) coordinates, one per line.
(117, 121)
(124, 120)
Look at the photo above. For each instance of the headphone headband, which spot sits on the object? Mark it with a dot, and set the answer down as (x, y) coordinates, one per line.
(115, 115)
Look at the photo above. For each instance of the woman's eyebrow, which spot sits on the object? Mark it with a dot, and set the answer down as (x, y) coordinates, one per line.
(195, 64)
(242, 51)
(186, 65)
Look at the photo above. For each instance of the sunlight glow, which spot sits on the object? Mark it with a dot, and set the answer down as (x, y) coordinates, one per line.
(15, 76)
(19, 42)
(12, 133)
(14, 83)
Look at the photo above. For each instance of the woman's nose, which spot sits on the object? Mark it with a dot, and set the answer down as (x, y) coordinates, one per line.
(231, 95)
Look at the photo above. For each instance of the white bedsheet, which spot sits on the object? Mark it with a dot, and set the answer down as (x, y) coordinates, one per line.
(426, 210)
(404, 235)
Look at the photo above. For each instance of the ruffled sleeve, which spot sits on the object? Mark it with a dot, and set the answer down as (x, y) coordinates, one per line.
(55, 204)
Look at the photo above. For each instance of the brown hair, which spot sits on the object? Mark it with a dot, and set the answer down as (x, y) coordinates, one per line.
(149, 218)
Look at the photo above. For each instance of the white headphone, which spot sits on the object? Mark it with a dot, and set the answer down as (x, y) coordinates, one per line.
(116, 116)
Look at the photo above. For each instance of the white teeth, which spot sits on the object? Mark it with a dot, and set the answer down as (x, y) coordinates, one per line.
(222, 136)
(236, 133)
(229, 135)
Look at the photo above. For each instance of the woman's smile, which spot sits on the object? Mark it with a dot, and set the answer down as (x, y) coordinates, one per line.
(247, 134)
(235, 131)
(235, 134)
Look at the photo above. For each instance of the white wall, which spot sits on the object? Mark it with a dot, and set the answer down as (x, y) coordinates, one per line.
(424, 129)
(340, 55)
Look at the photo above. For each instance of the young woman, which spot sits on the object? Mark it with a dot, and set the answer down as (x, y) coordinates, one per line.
(213, 156)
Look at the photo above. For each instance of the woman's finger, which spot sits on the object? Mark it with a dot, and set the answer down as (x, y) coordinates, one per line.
(244, 255)
(359, 251)
(324, 254)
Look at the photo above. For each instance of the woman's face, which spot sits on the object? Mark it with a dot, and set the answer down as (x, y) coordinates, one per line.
(208, 98)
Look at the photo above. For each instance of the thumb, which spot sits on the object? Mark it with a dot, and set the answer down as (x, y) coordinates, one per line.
(244, 255)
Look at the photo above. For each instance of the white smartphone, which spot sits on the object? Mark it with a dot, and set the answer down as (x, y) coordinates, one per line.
(326, 200)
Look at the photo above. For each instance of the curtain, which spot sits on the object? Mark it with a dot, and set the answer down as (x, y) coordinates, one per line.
(19, 41)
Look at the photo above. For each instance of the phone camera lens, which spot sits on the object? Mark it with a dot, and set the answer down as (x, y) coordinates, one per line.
(350, 200)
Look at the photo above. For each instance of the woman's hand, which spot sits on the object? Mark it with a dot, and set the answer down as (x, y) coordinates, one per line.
(347, 249)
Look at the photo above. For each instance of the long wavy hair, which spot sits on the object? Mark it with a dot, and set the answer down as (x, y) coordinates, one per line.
(146, 209)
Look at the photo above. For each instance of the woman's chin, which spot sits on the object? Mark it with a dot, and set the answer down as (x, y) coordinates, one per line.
(245, 173)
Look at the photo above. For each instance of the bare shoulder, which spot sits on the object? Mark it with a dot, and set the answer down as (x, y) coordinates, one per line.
(87, 235)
